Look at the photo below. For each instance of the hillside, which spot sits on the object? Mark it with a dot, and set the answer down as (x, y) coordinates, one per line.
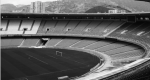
(82, 6)
(78, 6)
(7, 7)
(136, 6)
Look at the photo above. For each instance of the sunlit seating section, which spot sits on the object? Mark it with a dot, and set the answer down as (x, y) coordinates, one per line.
(80, 27)
(67, 42)
(3, 27)
(4, 24)
(34, 28)
(13, 27)
(52, 42)
(26, 24)
(29, 42)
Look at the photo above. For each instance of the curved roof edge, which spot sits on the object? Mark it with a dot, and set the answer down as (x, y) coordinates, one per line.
(143, 13)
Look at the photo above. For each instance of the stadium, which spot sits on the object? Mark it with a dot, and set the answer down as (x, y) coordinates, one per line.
(75, 46)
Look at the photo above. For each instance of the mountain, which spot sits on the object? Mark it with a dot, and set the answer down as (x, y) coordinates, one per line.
(20, 5)
(82, 6)
(78, 6)
(23, 9)
(134, 5)
(98, 9)
(7, 8)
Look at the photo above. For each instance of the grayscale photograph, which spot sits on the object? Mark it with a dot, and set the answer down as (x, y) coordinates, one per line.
(75, 40)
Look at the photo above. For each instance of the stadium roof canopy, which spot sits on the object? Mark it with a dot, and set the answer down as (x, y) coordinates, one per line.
(127, 17)
(145, 0)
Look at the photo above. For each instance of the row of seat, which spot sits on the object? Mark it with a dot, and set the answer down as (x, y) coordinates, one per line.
(86, 27)
(14, 42)
(116, 50)
(16, 26)
(139, 31)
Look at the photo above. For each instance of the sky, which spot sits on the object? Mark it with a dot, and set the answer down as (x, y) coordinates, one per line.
(16, 2)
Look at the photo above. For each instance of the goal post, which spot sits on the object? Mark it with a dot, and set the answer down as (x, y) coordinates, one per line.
(58, 53)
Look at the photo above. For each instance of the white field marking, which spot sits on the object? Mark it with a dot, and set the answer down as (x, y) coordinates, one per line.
(37, 59)
(71, 60)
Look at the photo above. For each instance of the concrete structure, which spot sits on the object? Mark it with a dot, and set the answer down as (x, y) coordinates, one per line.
(37, 7)
(116, 11)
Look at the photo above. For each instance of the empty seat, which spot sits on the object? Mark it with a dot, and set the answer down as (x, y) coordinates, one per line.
(98, 44)
(67, 42)
(80, 27)
(5, 42)
(71, 25)
(110, 46)
(113, 26)
(83, 43)
(91, 27)
(16, 42)
(29, 42)
(120, 50)
(100, 28)
(128, 54)
(46, 26)
(41, 29)
(140, 28)
(49, 26)
(61, 24)
(120, 29)
(53, 42)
